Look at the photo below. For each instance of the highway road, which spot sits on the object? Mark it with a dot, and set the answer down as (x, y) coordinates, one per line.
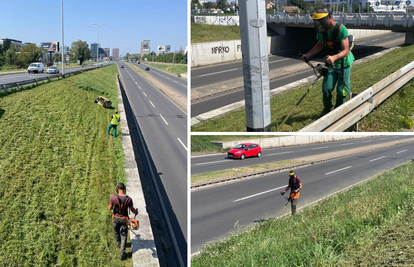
(216, 211)
(221, 73)
(176, 83)
(217, 162)
(11, 78)
(164, 129)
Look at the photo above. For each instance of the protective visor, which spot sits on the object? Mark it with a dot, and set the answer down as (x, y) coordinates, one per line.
(291, 173)
(317, 16)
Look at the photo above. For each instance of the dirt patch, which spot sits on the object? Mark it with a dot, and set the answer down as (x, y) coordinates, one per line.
(305, 161)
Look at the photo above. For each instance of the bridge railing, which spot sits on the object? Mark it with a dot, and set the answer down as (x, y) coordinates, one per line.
(355, 109)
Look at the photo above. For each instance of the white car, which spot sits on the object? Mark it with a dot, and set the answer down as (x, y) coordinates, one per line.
(53, 69)
(36, 67)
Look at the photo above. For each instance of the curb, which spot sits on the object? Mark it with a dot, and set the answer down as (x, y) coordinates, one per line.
(144, 251)
(217, 113)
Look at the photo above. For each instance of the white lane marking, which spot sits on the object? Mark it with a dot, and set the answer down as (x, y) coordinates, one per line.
(377, 158)
(278, 60)
(144, 93)
(213, 73)
(362, 43)
(152, 104)
(366, 141)
(401, 151)
(346, 144)
(375, 40)
(280, 153)
(139, 87)
(182, 143)
(395, 137)
(212, 162)
(320, 147)
(163, 119)
(338, 170)
(136, 83)
(258, 194)
(383, 138)
(387, 37)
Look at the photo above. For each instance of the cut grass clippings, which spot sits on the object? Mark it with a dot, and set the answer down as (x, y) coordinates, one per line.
(202, 33)
(220, 175)
(176, 69)
(335, 232)
(58, 171)
(363, 76)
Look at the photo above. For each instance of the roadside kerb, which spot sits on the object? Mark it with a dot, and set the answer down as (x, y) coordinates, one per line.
(327, 157)
(217, 113)
(144, 251)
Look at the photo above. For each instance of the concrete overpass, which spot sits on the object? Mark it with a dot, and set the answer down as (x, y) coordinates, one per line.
(296, 31)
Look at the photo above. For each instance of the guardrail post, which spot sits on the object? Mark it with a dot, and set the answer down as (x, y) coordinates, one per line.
(4, 88)
(18, 87)
(36, 81)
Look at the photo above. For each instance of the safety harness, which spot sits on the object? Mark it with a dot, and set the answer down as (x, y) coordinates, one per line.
(121, 208)
(333, 46)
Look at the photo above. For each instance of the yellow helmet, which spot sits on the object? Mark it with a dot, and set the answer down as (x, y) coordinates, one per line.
(317, 16)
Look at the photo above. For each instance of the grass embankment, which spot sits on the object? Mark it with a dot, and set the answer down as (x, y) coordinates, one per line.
(219, 175)
(71, 65)
(137, 69)
(176, 69)
(58, 170)
(387, 117)
(202, 143)
(340, 231)
(202, 33)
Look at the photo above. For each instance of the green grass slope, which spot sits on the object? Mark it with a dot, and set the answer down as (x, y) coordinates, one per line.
(202, 33)
(58, 170)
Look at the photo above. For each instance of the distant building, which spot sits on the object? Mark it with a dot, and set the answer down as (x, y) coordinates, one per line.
(107, 50)
(269, 5)
(290, 10)
(94, 47)
(13, 41)
(115, 52)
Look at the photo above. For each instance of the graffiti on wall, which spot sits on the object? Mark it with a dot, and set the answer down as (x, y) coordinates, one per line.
(200, 20)
(225, 20)
(220, 49)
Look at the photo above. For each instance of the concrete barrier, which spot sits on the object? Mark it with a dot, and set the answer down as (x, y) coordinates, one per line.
(294, 140)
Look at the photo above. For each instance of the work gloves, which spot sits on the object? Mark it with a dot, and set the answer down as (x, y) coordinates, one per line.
(136, 211)
(296, 190)
(282, 193)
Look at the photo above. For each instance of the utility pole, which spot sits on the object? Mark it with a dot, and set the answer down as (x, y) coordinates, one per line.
(255, 65)
(63, 44)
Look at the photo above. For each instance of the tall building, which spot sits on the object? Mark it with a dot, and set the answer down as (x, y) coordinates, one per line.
(106, 51)
(94, 47)
(115, 52)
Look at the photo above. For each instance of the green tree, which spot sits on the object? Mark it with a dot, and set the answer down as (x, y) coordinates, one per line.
(299, 3)
(195, 2)
(208, 5)
(11, 55)
(57, 57)
(222, 4)
(79, 50)
(28, 54)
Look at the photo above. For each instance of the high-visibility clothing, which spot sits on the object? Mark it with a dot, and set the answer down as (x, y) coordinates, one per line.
(115, 119)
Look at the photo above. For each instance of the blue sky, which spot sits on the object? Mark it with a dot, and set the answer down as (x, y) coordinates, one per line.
(128, 22)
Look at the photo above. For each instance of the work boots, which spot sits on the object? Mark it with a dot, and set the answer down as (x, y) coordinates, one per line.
(324, 112)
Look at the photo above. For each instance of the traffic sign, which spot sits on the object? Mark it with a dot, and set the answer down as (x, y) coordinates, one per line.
(360, 3)
(387, 3)
(408, 3)
(377, 3)
(368, 3)
(397, 3)
(343, 4)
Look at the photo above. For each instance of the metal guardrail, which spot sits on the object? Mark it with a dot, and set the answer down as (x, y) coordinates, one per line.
(355, 109)
(49, 77)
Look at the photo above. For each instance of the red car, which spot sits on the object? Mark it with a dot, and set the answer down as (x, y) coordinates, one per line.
(245, 150)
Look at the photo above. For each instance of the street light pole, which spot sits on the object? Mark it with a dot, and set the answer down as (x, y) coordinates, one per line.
(63, 45)
(97, 46)
(175, 46)
(109, 45)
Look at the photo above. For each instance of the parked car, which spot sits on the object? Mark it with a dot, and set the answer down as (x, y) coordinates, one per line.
(36, 67)
(147, 68)
(53, 69)
(245, 150)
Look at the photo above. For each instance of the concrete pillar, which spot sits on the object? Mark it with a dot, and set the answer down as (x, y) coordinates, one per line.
(253, 31)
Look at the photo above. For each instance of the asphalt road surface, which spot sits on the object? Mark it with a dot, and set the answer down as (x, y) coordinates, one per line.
(216, 211)
(217, 162)
(11, 78)
(176, 83)
(204, 76)
(164, 129)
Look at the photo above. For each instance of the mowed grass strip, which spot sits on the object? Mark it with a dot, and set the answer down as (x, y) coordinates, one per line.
(220, 175)
(333, 233)
(362, 77)
(176, 69)
(58, 170)
(137, 69)
(202, 33)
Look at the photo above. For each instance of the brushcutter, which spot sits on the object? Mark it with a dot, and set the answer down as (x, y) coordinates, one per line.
(133, 224)
(320, 71)
(287, 202)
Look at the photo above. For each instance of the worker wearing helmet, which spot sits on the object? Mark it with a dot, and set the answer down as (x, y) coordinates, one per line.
(334, 38)
(295, 185)
(120, 204)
